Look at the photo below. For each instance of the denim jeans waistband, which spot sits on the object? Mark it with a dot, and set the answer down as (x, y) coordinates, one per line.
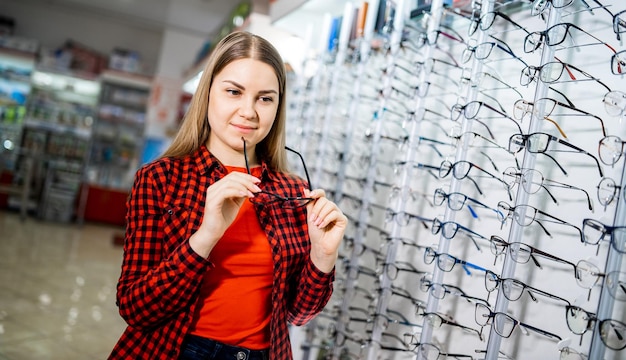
(200, 348)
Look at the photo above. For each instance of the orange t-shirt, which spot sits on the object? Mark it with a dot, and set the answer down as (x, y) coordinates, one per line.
(235, 303)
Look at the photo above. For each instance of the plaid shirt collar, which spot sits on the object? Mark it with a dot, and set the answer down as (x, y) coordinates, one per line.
(207, 163)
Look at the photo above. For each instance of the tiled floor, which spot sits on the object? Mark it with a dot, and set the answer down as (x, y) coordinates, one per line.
(57, 290)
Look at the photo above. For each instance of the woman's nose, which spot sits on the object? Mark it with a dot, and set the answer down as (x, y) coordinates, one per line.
(247, 109)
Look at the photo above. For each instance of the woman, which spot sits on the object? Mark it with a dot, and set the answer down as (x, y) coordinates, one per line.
(223, 245)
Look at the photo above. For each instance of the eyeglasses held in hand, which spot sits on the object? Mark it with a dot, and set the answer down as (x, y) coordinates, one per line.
(265, 197)
(595, 231)
(504, 324)
(539, 142)
(532, 181)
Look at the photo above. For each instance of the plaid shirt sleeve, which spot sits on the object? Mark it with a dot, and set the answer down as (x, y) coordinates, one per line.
(309, 288)
(314, 290)
(152, 289)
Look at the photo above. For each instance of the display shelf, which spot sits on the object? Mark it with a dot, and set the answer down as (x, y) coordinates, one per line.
(15, 71)
(57, 128)
(118, 133)
(116, 144)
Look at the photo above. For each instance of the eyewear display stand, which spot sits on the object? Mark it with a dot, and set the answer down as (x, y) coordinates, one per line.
(308, 108)
(522, 197)
(421, 52)
(461, 152)
(390, 256)
(337, 71)
(362, 46)
(614, 261)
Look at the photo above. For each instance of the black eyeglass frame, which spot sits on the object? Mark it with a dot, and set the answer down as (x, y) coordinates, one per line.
(298, 200)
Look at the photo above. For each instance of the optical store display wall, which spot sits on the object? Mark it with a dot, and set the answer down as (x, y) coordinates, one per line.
(477, 151)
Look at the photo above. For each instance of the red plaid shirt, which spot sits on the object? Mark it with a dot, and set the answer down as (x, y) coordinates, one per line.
(161, 275)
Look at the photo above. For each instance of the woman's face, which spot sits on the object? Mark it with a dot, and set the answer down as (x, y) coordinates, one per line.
(243, 101)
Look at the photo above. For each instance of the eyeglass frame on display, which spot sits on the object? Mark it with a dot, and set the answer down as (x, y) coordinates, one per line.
(491, 277)
(611, 104)
(520, 178)
(605, 230)
(445, 172)
(595, 271)
(603, 185)
(516, 323)
(440, 226)
(465, 264)
(526, 138)
(512, 213)
(440, 196)
(617, 155)
(426, 285)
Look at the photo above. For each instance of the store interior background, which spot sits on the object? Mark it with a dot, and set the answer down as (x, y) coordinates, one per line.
(59, 268)
(169, 36)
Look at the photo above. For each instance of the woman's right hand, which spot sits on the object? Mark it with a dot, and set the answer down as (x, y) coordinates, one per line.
(223, 201)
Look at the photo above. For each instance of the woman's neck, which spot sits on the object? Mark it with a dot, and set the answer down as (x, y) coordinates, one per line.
(233, 157)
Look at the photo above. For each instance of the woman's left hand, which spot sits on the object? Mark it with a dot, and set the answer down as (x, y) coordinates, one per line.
(327, 225)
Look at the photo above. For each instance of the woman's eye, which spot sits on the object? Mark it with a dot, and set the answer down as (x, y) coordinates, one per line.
(267, 99)
(233, 91)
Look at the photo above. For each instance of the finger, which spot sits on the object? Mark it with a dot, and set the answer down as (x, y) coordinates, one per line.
(232, 188)
(314, 194)
(324, 212)
(248, 181)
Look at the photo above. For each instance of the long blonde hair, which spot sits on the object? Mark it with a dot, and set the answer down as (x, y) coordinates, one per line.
(194, 131)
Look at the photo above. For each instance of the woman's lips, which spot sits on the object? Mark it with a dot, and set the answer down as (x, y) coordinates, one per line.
(244, 129)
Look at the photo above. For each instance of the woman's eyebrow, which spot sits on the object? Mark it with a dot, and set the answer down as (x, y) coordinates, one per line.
(234, 83)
